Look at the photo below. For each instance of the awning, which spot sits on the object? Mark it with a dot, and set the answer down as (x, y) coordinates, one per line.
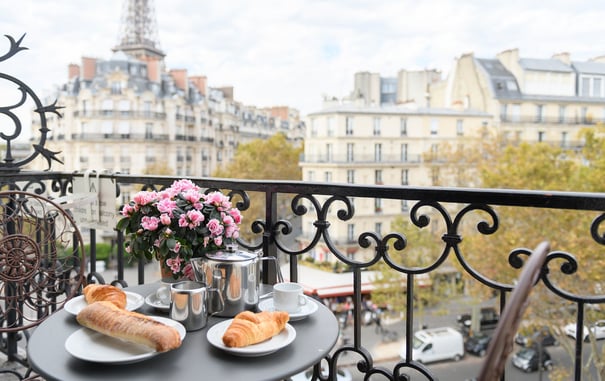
(325, 284)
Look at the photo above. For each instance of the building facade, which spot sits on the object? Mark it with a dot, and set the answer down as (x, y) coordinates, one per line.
(130, 114)
(376, 136)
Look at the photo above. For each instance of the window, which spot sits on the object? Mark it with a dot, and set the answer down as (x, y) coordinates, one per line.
(329, 152)
(351, 176)
(330, 126)
(540, 136)
(378, 176)
(351, 232)
(376, 126)
(107, 128)
(148, 130)
(378, 205)
(434, 126)
(504, 111)
(459, 127)
(404, 206)
(596, 87)
(310, 175)
(564, 139)
(404, 152)
(313, 127)
(516, 113)
(561, 114)
(84, 106)
(403, 126)
(350, 152)
(147, 108)
(591, 86)
(539, 113)
(107, 107)
(116, 87)
(378, 152)
(584, 113)
(405, 173)
(378, 228)
(124, 129)
(124, 106)
(328, 177)
(349, 126)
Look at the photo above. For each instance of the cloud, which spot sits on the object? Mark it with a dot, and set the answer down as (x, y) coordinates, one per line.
(293, 52)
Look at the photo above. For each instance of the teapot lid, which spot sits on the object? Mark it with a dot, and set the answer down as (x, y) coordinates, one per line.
(232, 254)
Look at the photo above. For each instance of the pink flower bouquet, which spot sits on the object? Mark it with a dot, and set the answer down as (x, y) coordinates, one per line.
(178, 223)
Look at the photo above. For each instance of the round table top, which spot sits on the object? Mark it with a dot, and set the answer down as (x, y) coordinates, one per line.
(195, 359)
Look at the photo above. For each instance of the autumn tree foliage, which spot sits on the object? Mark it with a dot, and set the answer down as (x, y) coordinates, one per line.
(275, 158)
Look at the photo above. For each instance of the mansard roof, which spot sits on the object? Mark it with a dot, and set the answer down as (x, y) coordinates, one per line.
(589, 67)
(502, 82)
(537, 64)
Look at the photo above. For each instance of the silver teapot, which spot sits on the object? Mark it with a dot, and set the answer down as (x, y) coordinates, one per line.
(236, 274)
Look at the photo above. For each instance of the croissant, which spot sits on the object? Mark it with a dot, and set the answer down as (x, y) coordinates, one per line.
(249, 328)
(106, 318)
(98, 292)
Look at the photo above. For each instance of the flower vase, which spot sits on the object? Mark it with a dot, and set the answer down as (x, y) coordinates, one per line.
(166, 275)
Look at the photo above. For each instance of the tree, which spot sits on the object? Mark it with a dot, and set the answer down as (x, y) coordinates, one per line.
(390, 287)
(271, 159)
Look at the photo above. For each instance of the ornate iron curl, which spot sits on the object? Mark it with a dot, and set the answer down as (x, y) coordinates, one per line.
(568, 267)
(417, 366)
(9, 163)
(321, 224)
(594, 229)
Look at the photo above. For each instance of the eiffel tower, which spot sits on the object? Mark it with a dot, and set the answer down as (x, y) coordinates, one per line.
(138, 35)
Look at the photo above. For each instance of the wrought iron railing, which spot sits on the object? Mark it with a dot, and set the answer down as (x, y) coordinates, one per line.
(330, 204)
(447, 212)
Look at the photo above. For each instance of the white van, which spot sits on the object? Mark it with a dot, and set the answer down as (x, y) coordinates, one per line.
(436, 344)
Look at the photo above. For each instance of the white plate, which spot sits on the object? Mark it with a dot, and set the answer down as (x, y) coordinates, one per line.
(153, 301)
(304, 311)
(90, 345)
(75, 305)
(285, 337)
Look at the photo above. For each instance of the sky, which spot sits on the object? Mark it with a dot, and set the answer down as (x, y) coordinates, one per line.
(296, 52)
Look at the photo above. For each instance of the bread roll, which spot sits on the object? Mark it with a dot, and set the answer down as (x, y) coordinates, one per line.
(105, 292)
(249, 328)
(106, 318)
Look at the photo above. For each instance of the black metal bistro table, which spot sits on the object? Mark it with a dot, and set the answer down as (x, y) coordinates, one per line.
(196, 359)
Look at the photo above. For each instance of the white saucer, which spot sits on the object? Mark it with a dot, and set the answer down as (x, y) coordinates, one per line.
(153, 301)
(304, 311)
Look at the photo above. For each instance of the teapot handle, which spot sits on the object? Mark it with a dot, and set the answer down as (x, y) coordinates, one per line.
(280, 277)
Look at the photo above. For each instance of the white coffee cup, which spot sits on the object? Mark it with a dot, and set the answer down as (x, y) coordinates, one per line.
(288, 296)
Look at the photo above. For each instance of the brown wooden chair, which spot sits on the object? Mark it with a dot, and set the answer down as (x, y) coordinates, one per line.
(502, 341)
(42, 266)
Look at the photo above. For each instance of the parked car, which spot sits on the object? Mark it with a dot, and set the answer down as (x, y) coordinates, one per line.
(532, 335)
(527, 359)
(477, 344)
(597, 329)
(342, 374)
(488, 319)
(436, 344)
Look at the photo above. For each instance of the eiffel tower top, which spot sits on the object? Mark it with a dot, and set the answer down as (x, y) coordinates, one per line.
(138, 35)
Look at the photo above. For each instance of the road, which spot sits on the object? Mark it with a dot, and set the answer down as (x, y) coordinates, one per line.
(386, 354)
